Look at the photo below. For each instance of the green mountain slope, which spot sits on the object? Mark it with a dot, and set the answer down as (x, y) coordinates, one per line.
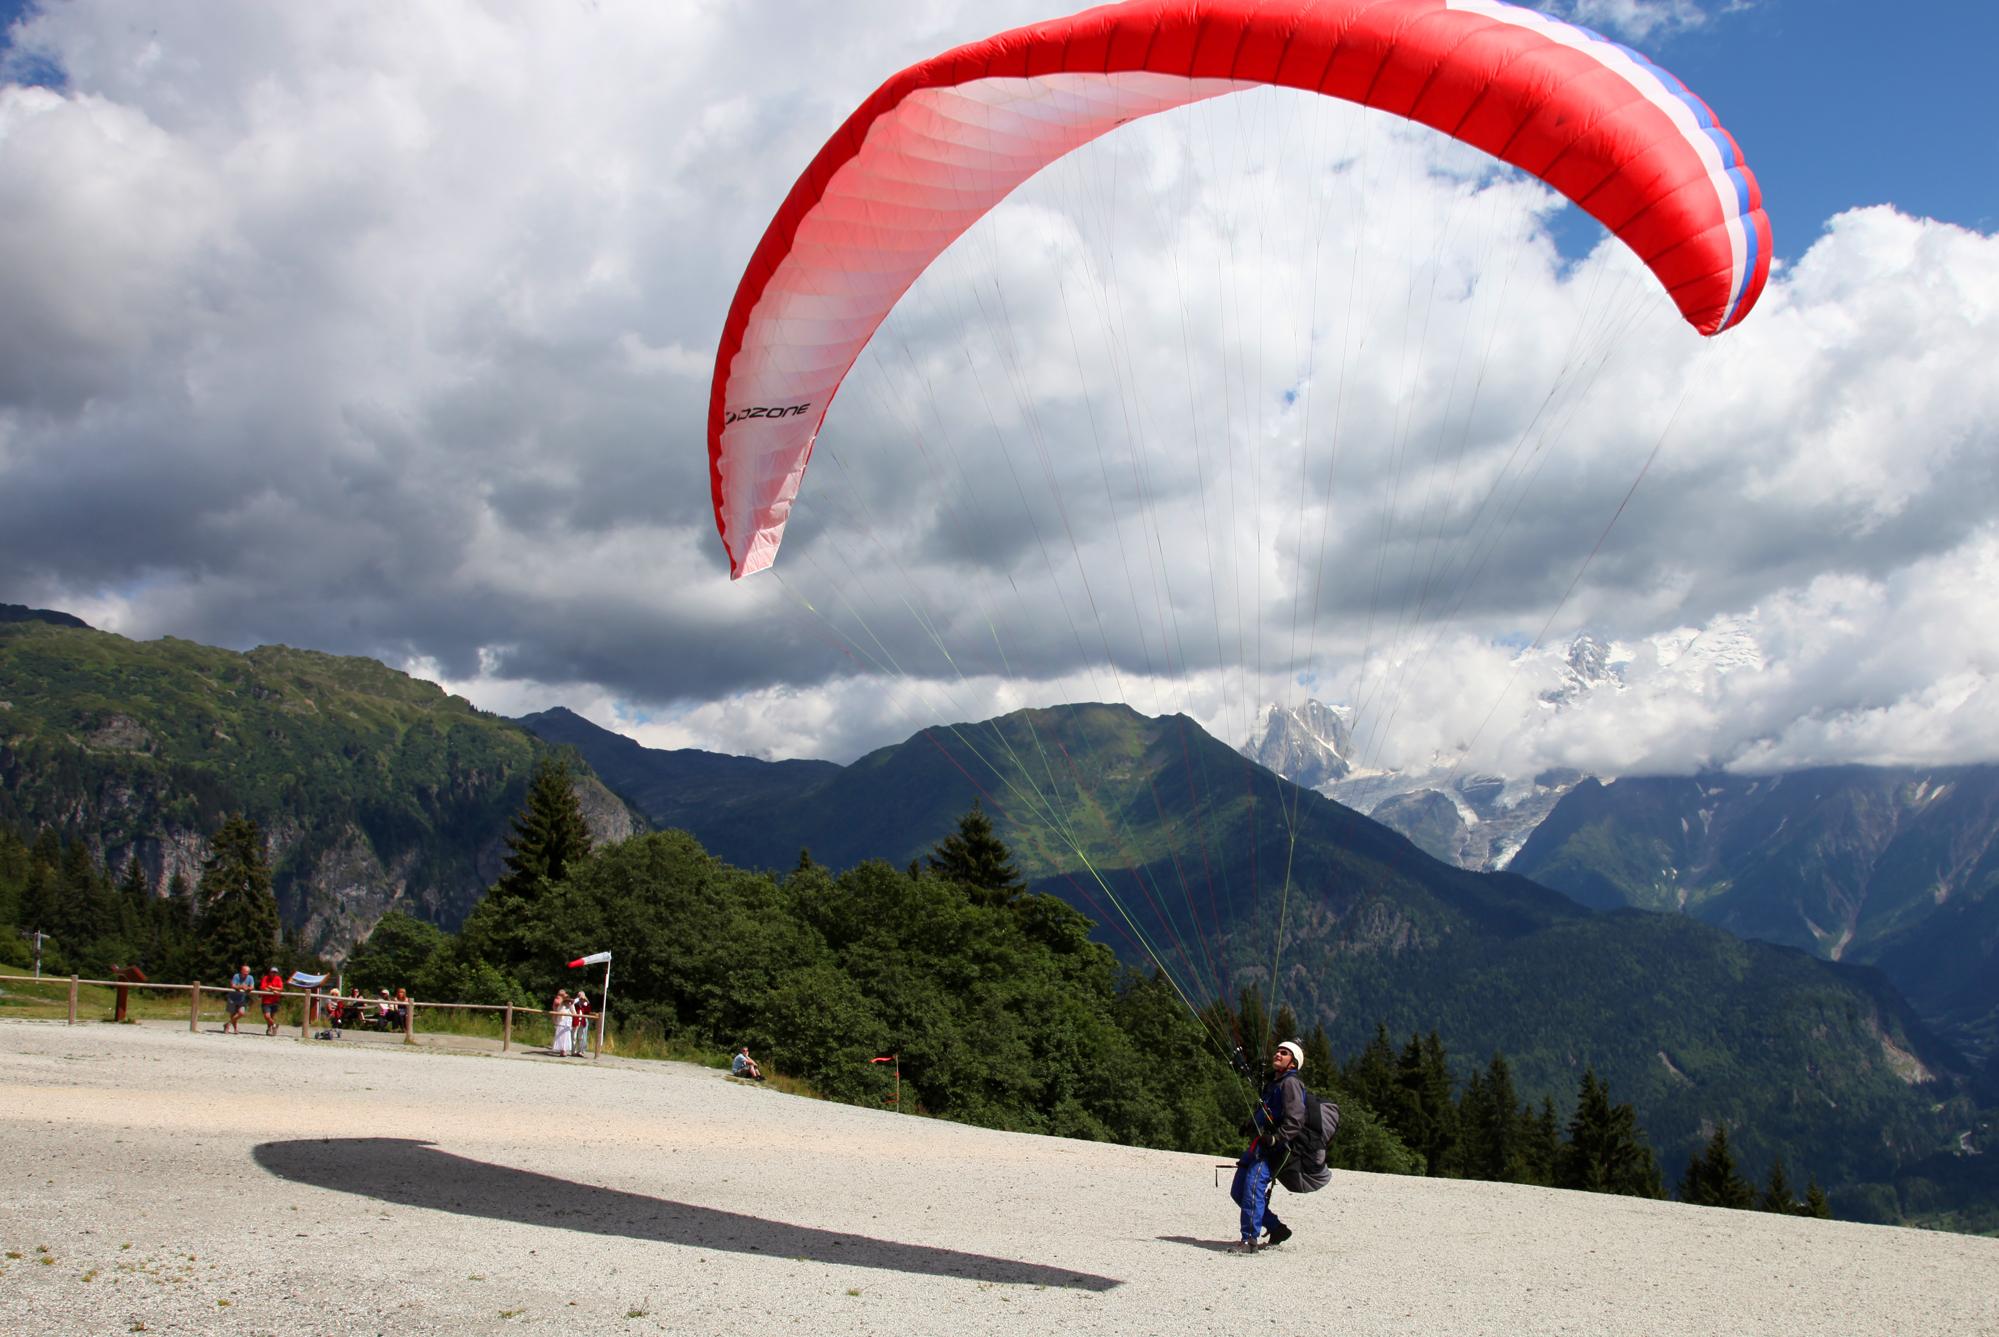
(372, 788)
(674, 787)
(1179, 847)
(1889, 867)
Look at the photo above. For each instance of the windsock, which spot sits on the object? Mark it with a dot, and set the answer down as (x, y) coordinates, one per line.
(594, 959)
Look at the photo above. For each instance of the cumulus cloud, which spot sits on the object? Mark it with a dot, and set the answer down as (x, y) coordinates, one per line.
(389, 331)
(1639, 20)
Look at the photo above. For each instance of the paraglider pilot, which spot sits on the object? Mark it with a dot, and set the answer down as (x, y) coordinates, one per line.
(1274, 1127)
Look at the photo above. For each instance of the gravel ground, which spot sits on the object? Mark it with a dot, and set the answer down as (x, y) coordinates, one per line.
(160, 1181)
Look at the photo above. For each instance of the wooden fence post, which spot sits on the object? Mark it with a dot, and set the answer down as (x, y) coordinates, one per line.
(305, 1016)
(507, 1030)
(72, 1000)
(409, 1022)
(194, 1008)
(602, 1019)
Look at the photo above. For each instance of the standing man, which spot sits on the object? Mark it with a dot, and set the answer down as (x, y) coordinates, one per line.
(240, 985)
(1274, 1127)
(272, 987)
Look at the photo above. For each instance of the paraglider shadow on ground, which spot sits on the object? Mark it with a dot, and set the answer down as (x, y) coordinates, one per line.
(417, 1174)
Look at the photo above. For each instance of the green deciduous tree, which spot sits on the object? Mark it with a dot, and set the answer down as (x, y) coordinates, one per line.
(394, 953)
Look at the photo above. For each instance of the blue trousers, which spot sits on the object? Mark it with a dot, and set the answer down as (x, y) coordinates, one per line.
(1251, 1191)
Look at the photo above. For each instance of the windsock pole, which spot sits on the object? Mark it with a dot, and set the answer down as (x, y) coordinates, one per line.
(603, 999)
(896, 1059)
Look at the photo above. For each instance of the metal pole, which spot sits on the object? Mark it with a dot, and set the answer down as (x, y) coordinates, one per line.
(603, 1016)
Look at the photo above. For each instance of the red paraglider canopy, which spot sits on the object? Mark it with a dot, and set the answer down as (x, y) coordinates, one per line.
(941, 143)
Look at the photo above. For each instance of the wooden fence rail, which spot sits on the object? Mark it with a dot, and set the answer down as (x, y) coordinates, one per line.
(312, 1001)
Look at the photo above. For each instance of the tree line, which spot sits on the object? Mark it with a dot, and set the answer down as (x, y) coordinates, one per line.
(84, 918)
(1000, 1008)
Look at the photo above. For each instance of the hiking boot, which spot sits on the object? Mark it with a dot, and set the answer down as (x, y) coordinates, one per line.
(1243, 1247)
(1276, 1236)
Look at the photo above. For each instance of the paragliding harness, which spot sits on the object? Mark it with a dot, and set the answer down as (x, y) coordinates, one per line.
(1303, 1169)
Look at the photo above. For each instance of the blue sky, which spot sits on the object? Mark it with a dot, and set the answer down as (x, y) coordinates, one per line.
(1839, 103)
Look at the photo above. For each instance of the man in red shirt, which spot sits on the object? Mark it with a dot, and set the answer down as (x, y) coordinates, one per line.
(272, 987)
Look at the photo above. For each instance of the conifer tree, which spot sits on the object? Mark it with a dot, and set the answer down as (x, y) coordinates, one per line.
(1711, 1180)
(548, 838)
(40, 903)
(1493, 1125)
(1371, 1075)
(180, 898)
(1253, 1029)
(976, 859)
(239, 913)
(169, 945)
(87, 913)
(1423, 1113)
(1319, 1056)
(1605, 1152)
(1541, 1145)
(1815, 1202)
(133, 885)
(1285, 1027)
(133, 900)
(1777, 1194)
(549, 834)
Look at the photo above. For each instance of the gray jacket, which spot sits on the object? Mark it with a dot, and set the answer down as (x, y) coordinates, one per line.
(1280, 1114)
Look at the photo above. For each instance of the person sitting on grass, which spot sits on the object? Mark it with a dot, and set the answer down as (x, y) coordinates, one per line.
(745, 1066)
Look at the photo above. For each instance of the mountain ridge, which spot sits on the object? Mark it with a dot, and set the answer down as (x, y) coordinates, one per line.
(373, 790)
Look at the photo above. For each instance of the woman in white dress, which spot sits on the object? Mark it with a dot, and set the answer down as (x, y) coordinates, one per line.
(565, 1017)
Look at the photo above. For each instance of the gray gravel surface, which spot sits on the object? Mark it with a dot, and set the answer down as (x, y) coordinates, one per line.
(204, 1183)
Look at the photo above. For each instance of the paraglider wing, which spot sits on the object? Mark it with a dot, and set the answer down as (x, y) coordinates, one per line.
(941, 143)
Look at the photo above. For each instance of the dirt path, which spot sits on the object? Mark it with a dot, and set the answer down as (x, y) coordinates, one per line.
(239, 1185)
